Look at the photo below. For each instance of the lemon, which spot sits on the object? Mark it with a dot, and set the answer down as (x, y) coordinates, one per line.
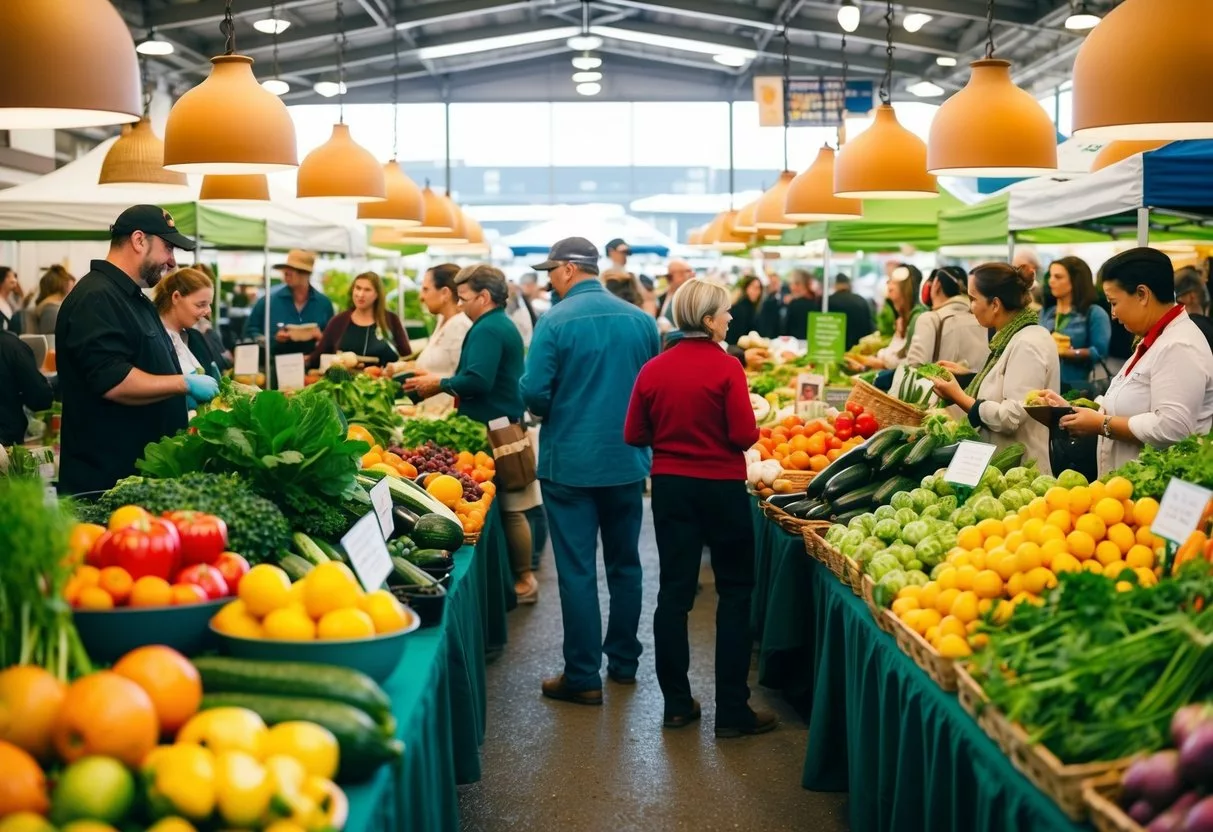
(978, 641)
(1028, 556)
(329, 587)
(912, 619)
(1065, 562)
(1014, 541)
(1111, 570)
(1080, 544)
(1058, 499)
(1060, 519)
(171, 825)
(297, 590)
(291, 623)
(1140, 556)
(1106, 552)
(1038, 580)
(1145, 510)
(977, 558)
(1080, 500)
(1119, 488)
(965, 607)
(1006, 565)
(928, 619)
(985, 605)
(1012, 523)
(1110, 511)
(1014, 585)
(1098, 491)
(235, 620)
(1146, 577)
(943, 604)
(958, 558)
(903, 605)
(1039, 508)
(953, 647)
(946, 578)
(1121, 536)
(995, 541)
(1050, 532)
(987, 584)
(342, 624)
(264, 589)
(1124, 586)
(25, 822)
(310, 744)
(1090, 524)
(1147, 538)
(926, 598)
(910, 591)
(951, 624)
(969, 538)
(990, 527)
(1032, 530)
(1130, 508)
(965, 576)
(1002, 612)
(1092, 565)
(1051, 549)
(387, 614)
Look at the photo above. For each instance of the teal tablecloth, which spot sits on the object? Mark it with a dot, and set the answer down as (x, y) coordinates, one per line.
(910, 756)
(438, 698)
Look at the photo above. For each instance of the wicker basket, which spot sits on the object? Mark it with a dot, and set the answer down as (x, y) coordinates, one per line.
(816, 545)
(887, 409)
(471, 538)
(800, 479)
(942, 671)
(1101, 795)
(853, 575)
(867, 591)
(1062, 783)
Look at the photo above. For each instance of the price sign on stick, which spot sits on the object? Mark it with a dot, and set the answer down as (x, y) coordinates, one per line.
(368, 553)
(381, 499)
(1180, 511)
(248, 360)
(969, 463)
(290, 371)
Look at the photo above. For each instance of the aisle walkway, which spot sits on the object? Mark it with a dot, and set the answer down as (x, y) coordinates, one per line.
(551, 765)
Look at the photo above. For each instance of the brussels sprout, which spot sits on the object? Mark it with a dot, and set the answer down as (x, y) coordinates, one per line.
(902, 499)
(988, 507)
(888, 530)
(881, 565)
(916, 577)
(905, 516)
(869, 549)
(850, 542)
(946, 538)
(916, 532)
(885, 513)
(923, 498)
(864, 523)
(1026, 494)
(892, 582)
(947, 505)
(1042, 484)
(902, 551)
(963, 516)
(1071, 479)
(931, 512)
(835, 534)
(1018, 475)
(930, 551)
(943, 488)
(928, 482)
(1011, 499)
(914, 565)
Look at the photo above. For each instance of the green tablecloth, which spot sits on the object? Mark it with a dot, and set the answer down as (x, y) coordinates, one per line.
(438, 698)
(910, 756)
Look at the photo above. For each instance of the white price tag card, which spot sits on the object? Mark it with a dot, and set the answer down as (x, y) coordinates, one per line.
(368, 553)
(969, 463)
(248, 360)
(290, 371)
(381, 499)
(327, 360)
(1182, 506)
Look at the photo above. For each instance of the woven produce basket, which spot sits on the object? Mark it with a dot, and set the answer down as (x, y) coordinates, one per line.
(853, 575)
(815, 544)
(471, 538)
(887, 409)
(867, 591)
(1062, 783)
(1103, 795)
(942, 671)
(800, 479)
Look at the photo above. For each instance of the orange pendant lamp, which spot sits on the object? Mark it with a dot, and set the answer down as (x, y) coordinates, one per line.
(745, 222)
(1144, 73)
(70, 65)
(886, 161)
(454, 235)
(769, 215)
(403, 207)
(1114, 152)
(137, 160)
(695, 237)
(341, 170)
(437, 216)
(722, 236)
(252, 187)
(991, 128)
(810, 197)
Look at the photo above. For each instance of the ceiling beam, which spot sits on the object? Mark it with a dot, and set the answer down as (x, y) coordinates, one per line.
(174, 16)
(442, 11)
(377, 11)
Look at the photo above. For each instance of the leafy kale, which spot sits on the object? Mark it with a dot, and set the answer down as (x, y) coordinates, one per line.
(453, 431)
(1190, 460)
(366, 401)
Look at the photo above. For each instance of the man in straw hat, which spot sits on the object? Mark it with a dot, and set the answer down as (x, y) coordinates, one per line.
(294, 304)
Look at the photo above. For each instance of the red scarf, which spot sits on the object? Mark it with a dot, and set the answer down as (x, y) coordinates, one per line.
(1153, 335)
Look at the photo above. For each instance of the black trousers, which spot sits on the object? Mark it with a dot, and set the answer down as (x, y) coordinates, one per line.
(689, 513)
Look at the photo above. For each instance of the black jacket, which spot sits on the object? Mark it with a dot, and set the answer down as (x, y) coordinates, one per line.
(858, 312)
(21, 385)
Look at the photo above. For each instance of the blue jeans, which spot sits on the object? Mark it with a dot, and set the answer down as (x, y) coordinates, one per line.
(575, 516)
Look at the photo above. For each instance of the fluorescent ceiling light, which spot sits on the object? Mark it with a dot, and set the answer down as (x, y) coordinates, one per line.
(925, 89)
(471, 47)
(586, 77)
(730, 59)
(272, 25)
(671, 42)
(152, 45)
(848, 16)
(914, 22)
(589, 89)
(1082, 19)
(586, 62)
(584, 43)
(329, 88)
(277, 86)
(944, 60)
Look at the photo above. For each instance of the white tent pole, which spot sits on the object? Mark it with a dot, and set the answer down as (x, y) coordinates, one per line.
(1010, 246)
(1143, 227)
(269, 336)
(825, 277)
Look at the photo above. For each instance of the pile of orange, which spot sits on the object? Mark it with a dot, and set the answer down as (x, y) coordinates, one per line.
(803, 446)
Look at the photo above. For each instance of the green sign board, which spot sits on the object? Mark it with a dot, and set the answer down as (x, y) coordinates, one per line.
(827, 336)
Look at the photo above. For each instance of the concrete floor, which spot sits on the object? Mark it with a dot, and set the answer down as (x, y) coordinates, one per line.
(553, 765)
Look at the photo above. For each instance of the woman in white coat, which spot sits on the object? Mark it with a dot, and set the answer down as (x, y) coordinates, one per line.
(1164, 392)
(441, 354)
(1023, 358)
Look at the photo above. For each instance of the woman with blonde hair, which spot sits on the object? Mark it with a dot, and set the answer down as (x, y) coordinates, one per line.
(366, 328)
(691, 405)
(56, 282)
(182, 299)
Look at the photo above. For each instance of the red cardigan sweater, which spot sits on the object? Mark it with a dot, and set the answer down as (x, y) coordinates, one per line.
(330, 340)
(691, 404)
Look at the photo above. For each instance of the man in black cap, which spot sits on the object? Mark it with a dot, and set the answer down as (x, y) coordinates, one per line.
(617, 252)
(584, 358)
(122, 385)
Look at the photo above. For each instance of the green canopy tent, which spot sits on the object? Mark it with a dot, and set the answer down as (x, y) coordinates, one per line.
(887, 225)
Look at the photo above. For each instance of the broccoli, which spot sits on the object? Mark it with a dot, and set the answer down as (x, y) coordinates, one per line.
(338, 373)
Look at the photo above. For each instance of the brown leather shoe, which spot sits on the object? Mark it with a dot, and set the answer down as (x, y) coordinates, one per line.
(762, 722)
(683, 720)
(558, 688)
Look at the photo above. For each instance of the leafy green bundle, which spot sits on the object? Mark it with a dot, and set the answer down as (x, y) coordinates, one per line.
(452, 431)
(366, 401)
(938, 423)
(1190, 459)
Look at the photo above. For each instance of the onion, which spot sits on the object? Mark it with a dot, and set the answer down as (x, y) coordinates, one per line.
(1172, 819)
(1196, 755)
(1187, 719)
(1199, 817)
(1155, 779)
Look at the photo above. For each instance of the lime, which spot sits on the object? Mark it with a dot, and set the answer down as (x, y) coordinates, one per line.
(93, 788)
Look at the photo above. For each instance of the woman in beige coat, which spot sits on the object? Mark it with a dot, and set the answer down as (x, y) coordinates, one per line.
(948, 332)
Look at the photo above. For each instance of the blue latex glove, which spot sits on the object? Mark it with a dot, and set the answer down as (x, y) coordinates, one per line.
(201, 388)
(190, 404)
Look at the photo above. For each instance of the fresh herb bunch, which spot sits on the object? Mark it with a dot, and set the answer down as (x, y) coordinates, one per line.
(938, 423)
(35, 621)
(452, 431)
(934, 371)
(1095, 673)
(1190, 460)
(366, 401)
(255, 526)
(21, 463)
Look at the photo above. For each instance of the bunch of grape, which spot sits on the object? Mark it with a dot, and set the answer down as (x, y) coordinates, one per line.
(431, 458)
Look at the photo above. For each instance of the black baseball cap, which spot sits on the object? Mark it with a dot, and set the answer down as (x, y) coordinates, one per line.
(618, 245)
(151, 219)
(577, 250)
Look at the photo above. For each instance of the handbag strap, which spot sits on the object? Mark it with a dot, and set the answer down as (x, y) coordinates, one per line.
(938, 335)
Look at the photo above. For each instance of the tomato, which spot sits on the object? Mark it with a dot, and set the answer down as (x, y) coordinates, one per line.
(151, 547)
(865, 425)
(232, 567)
(840, 436)
(854, 408)
(815, 426)
(127, 516)
(208, 578)
(203, 536)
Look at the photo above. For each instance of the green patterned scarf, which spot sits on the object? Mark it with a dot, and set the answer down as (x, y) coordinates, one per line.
(1026, 317)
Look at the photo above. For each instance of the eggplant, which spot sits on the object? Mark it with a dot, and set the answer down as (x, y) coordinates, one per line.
(1187, 719)
(1196, 755)
(1155, 779)
(1172, 819)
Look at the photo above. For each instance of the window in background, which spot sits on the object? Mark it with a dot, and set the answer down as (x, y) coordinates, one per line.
(592, 134)
(677, 134)
(422, 129)
(501, 135)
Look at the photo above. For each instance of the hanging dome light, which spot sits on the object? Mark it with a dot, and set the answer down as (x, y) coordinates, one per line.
(991, 128)
(848, 16)
(276, 86)
(437, 216)
(745, 222)
(586, 62)
(1114, 152)
(587, 77)
(1081, 19)
(403, 207)
(93, 77)
(722, 235)
(251, 187)
(769, 216)
(341, 170)
(810, 197)
(228, 124)
(886, 161)
(154, 45)
(137, 159)
(455, 235)
(589, 89)
(1144, 73)
(584, 43)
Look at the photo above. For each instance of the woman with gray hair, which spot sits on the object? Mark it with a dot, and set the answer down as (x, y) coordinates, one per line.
(691, 405)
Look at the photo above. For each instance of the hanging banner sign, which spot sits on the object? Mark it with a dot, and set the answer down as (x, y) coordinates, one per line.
(812, 102)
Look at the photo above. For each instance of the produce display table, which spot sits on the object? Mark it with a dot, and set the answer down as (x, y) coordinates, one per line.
(438, 698)
(910, 756)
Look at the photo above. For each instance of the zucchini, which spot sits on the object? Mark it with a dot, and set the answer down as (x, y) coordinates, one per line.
(922, 449)
(802, 507)
(941, 457)
(884, 495)
(819, 483)
(784, 500)
(858, 498)
(408, 494)
(433, 531)
(295, 567)
(850, 515)
(403, 521)
(895, 460)
(881, 442)
(854, 477)
(330, 551)
(1007, 458)
(821, 511)
(307, 547)
(363, 747)
(429, 557)
(310, 681)
(410, 574)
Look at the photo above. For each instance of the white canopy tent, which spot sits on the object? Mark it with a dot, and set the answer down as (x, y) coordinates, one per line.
(597, 223)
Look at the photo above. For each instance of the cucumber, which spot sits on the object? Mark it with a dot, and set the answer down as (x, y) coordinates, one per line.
(330, 551)
(894, 460)
(922, 450)
(363, 747)
(854, 477)
(295, 567)
(429, 557)
(819, 483)
(881, 442)
(1007, 458)
(784, 500)
(821, 511)
(310, 681)
(802, 507)
(409, 574)
(941, 457)
(307, 547)
(859, 498)
(433, 531)
(408, 494)
(843, 519)
(891, 486)
(403, 520)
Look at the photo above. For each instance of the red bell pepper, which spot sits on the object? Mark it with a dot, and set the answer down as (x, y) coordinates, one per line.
(232, 567)
(203, 536)
(151, 547)
(207, 577)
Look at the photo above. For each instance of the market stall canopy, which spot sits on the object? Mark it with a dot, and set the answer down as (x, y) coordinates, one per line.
(887, 225)
(597, 227)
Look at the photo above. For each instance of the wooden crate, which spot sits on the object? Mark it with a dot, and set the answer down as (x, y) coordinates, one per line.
(1102, 795)
(1062, 783)
(942, 671)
